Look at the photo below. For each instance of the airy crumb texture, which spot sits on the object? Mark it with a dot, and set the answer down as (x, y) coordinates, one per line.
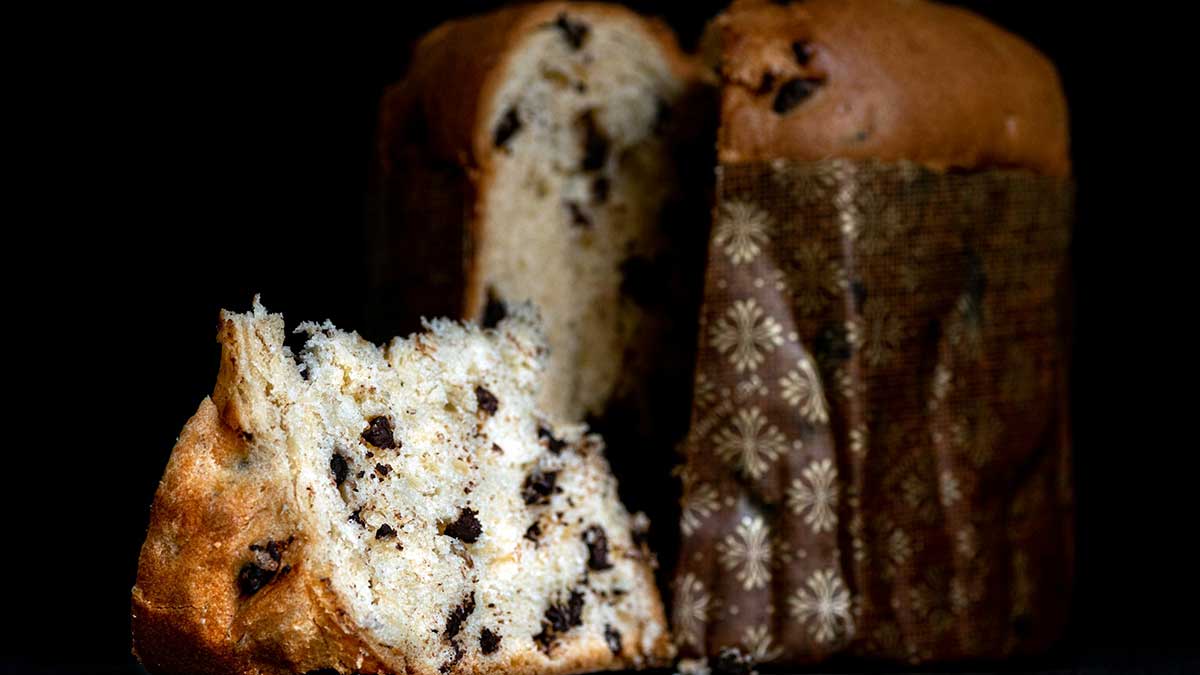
(570, 218)
(395, 509)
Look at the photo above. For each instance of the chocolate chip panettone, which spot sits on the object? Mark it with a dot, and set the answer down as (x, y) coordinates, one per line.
(879, 457)
(396, 509)
(538, 153)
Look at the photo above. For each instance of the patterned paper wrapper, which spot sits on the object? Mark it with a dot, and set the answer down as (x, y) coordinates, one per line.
(878, 459)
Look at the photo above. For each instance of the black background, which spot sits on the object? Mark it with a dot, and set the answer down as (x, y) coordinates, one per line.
(198, 159)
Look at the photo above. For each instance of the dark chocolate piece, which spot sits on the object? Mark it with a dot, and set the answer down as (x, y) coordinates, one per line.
(538, 487)
(466, 527)
(597, 545)
(487, 400)
(574, 32)
(613, 637)
(489, 641)
(459, 614)
(379, 433)
(506, 128)
(794, 92)
(553, 444)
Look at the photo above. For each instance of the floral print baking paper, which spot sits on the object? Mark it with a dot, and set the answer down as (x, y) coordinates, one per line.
(878, 459)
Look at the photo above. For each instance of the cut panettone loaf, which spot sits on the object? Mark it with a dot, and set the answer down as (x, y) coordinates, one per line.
(397, 509)
(563, 154)
(539, 153)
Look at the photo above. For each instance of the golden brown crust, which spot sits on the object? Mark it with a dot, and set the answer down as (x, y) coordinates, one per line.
(456, 71)
(188, 613)
(899, 79)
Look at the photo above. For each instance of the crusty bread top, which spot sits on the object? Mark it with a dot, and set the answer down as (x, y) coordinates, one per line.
(886, 79)
(456, 68)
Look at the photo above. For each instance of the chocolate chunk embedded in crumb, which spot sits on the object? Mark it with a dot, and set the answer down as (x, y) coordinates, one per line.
(613, 637)
(553, 444)
(379, 433)
(538, 487)
(506, 128)
(459, 614)
(383, 469)
(466, 527)
(579, 217)
(794, 92)
(563, 617)
(340, 469)
(487, 401)
(251, 578)
(600, 189)
(574, 32)
(489, 641)
(494, 312)
(384, 532)
(534, 532)
(597, 545)
(595, 144)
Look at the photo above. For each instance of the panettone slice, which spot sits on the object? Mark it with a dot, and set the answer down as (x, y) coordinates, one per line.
(403, 508)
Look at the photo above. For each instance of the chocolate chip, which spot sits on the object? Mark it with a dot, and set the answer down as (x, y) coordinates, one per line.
(553, 444)
(466, 528)
(578, 217)
(613, 637)
(495, 311)
(508, 126)
(803, 52)
(384, 531)
(766, 84)
(597, 545)
(497, 449)
(575, 609)
(731, 661)
(563, 617)
(379, 433)
(794, 92)
(459, 614)
(600, 188)
(356, 517)
(454, 658)
(487, 400)
(545, 638)
(383, 469)
(595, 144)
(538, 487)
(489, 642)
(533, 532)
(574, 32)
(251, 578)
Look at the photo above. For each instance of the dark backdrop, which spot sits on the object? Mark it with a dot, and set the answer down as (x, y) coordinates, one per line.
(201, 158)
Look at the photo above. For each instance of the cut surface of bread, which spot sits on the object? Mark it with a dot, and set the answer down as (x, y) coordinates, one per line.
(562, 119)
(390, 509)
(579, 175)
